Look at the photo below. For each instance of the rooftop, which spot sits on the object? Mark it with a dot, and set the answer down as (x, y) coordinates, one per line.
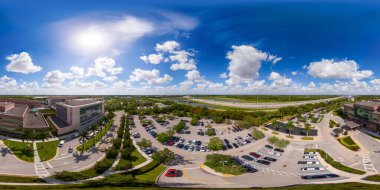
(79, 102)
(35, 121)
(368, 105)
(17, 110)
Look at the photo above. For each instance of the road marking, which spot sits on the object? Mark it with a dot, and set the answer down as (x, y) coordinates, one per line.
(49, 165)
(354, 164)
(63, 157)
(191, 168)
(368, 164)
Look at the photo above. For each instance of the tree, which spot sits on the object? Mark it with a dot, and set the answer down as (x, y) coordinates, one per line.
(43, 136)
(276, 125)
(273, 140)
(194, 121)
(179, 127)
(83, 136)
(144, 143)
(163, 156)
(164, 136)
(27, 136)
(215, 143)
(209, 132)
(307, 128)
(289, 126)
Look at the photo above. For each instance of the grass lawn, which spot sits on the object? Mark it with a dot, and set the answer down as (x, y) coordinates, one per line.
(47, 150)
(20, 150)
(223, 164)
(373, 178)
(19, 179)
(349, 143)
(137, 158)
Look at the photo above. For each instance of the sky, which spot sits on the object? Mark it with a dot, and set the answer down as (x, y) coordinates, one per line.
(111, 47)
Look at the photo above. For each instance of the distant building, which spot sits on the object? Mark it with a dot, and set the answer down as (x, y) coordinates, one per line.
(77, 114)
(53, 100)
(16, 117)
(366, 114)
(21, 101)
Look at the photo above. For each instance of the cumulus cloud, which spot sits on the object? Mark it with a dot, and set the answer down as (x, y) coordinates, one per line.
(279, 81)
(104, 66)
(7, 82)
(375, 82)
(330, 69)
(152, 58)
(55, 78)
(245, 62)
(78, 84)
(77, 72)
(294, 73)
(21, 63)
(29, 86)
(149, 76)
(167, 47)
(223, 75)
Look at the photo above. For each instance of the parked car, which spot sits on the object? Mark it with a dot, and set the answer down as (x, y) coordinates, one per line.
(226, 141)
(246, 157)
(263, 162)
(250, 169)
(170, 143)
(268, 146)
(203, 148)
(235, 145)
(278, 150)
(70, 150)
(229, 146)
(321, 176)
(270, 159)
(254, 154)
(171, 173)
(180, 145)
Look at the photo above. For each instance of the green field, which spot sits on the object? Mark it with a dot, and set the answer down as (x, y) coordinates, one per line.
(264, 98)
(47, 150)
(23, 151)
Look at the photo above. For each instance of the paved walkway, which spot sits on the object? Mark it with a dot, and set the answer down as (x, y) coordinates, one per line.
(38, 166)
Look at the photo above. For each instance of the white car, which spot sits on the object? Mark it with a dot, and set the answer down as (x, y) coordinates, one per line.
(275, 153)
(61, 143)
(310, 157)
(203, 149)
(312, 168)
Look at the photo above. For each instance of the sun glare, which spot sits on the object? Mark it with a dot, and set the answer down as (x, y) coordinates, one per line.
(90, 41)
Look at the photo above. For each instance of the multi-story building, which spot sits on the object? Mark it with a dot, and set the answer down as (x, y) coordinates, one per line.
(16, 117)
(53, 100)
(367, 114)
(77, 114)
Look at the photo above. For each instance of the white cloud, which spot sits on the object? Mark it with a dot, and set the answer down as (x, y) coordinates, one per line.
(150, 77)
(183, 66)
(194, 75)
(168, 46)
(375, 82)
(152, 58)
(245, 62)
(345, 69)
(7, 82)
(55, 78)
(29, 86)
(21, 63)
(279, 81)
(77, 72)
(223, 75)
(294, 73)
(104, 65)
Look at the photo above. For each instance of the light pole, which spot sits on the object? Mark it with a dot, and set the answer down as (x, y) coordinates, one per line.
(224, 161)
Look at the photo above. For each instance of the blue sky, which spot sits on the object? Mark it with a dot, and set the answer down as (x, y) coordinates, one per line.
(189, 47)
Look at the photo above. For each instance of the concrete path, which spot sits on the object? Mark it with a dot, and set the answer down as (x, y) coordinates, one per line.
(38, 166)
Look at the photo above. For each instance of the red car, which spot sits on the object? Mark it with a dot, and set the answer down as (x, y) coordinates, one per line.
(254, 154)
(171, 173)
(170, 143)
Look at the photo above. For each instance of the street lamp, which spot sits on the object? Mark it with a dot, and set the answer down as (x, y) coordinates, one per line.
(225, 161)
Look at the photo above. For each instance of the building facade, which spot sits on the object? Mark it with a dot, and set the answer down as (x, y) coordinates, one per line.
(77, 114)
(367, 114)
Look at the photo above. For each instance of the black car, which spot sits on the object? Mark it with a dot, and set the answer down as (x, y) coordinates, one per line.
(321, 176)
(263, 162)
(270, 159)
(197, 148)
(187, 132)
(246, 157)
(278, 150)
(269, 146)
(198, 143)
(235, 145)
(224, 147)
(250, 169)
(180, 145)
(226, 141)
(229, 146)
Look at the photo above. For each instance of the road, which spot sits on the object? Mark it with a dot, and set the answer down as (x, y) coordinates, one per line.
(268, 105)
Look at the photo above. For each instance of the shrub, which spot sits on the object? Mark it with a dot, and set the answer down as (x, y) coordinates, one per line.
(307, 138)
(209, 132)
(215, 143)
(274, 133)
(194, 121)
(345, 132)
(223, 164)
(257, 134)
(179, 127)
(349, 143)
(111, 153)
(116, 143)
(163, 156)
(103, 165)
(164, 136)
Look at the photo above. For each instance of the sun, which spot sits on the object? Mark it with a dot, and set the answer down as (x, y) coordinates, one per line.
(90, 40)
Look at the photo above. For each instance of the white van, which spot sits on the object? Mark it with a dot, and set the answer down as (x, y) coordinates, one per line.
(61, 143)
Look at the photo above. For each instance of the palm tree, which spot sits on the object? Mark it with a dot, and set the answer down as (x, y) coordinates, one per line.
(276, 125)
(83, 136)
(289, 126)
(43, 135)
(307, 128)
(27, 135)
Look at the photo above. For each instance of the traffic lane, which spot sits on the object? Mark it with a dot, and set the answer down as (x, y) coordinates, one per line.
(11, 165)
(373, 146)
